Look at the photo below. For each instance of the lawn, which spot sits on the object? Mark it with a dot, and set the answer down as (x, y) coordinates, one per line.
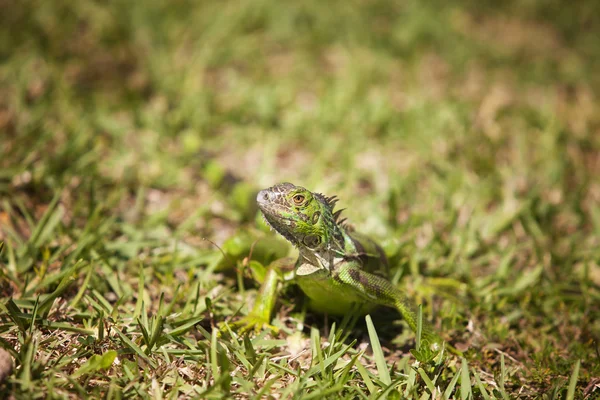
(462, 136)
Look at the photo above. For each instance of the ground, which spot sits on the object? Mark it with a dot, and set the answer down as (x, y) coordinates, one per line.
(463, 136)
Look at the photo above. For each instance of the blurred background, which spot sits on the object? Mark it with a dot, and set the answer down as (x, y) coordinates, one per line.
(463, 135)
(359, 98)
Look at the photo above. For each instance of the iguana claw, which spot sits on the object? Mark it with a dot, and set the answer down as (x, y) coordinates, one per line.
(249, 324)
(254, 323)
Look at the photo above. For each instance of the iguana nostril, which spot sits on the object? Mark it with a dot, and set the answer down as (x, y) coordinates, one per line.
(262, 196)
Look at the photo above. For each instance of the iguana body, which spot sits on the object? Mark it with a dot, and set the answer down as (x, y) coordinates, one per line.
(336, 267)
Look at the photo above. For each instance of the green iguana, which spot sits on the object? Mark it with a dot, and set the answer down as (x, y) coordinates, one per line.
(336, 267)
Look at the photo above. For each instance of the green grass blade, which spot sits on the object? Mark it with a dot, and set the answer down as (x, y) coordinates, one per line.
(503, 378)
(451, 386)
(573, 381)
(465, 381)
(382, 370)
(428, 382)
(365, 377)
(134, 348)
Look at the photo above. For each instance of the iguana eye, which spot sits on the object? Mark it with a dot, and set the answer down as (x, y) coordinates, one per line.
(298, 199)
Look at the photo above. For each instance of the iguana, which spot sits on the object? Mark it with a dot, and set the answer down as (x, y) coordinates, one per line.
(336, 266)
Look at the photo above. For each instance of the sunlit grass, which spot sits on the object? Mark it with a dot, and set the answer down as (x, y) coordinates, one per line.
(134, 136)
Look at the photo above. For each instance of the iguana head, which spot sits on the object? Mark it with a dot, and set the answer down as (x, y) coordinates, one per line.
(304, 218)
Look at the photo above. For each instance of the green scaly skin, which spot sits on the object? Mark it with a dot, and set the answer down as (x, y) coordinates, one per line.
(337, 268)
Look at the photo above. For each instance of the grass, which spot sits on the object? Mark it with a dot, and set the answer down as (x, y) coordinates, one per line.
(463, 136)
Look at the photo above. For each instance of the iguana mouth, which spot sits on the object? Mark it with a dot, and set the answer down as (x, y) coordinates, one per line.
(267, 222)
(280, 226)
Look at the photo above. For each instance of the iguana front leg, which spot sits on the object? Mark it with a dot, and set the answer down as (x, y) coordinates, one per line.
(376, 289)
(260, 316)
